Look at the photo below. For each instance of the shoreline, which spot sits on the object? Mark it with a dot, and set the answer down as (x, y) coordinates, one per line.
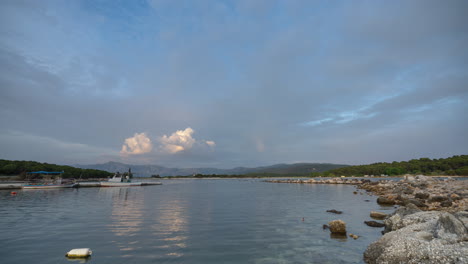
(430, 225)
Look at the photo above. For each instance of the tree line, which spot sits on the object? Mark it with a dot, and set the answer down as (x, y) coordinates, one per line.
(21, 168)
(456, 165)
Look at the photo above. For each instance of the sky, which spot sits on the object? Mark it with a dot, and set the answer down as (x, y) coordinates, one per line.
(232, 83)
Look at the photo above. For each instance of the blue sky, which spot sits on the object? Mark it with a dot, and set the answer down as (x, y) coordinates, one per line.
(232, 83)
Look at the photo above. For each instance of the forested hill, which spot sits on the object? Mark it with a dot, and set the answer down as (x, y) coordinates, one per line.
(16, 167)
(456, 165)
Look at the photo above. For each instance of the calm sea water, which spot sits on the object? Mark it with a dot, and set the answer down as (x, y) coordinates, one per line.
(186, 221)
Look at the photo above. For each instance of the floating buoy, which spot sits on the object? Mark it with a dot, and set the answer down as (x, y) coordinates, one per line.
(13, 193)
(79, 253)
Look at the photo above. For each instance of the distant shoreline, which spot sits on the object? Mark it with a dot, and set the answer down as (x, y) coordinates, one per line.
(294, 177)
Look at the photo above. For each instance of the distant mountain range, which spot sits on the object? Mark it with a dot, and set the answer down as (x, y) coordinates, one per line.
(297, 169)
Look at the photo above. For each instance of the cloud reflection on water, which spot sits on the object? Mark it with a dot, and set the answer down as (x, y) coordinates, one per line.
(171, 227)
(126, 217)
(127, 212)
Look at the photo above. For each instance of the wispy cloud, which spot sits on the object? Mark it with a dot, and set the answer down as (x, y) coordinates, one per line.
(340, 118)
(49, 149)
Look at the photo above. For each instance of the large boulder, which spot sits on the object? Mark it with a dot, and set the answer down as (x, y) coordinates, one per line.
(450, 228)
(422, 237)
(462, 216)
(392, 222)
(337, 227)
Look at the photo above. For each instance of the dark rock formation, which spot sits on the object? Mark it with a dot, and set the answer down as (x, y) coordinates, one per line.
(374, 224)
(422, 196)
(446, 203)
(385, 201)
(334, 211)
(437, 199)
(416, 202)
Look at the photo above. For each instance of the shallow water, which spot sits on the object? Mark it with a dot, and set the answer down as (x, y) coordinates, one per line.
(187, 221)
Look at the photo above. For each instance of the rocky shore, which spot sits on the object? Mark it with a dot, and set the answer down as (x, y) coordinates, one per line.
(322, 181)
(429, 226)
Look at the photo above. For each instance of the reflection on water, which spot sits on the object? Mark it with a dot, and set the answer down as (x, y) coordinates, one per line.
(127, 211)
(170, 227)
(79, 260)
(126, 217)
(339, 237)
(207, 221)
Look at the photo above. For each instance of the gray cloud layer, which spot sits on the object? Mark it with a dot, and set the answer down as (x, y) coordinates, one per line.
(268, 81)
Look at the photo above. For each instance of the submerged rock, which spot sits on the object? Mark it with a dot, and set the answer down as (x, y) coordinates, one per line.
(334, 211)
(374, 224)
(378, 215)
(337, 227)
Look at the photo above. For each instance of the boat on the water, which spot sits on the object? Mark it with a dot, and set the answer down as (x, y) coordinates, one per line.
(48, 180)
(53, 180)
(120, 180)
(49, 186)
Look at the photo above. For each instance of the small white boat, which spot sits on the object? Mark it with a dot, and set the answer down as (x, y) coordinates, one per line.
(120, 180)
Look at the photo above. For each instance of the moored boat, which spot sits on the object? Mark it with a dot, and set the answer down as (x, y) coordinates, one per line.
(120, 180)
(48, 180)
(49, 186)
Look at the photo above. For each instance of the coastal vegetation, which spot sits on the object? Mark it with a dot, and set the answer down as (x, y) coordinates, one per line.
(456, 165)
(249, 175)
(21, 168)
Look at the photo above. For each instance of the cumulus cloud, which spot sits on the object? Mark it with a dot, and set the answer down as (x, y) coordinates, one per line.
(138, 144)
(181, 140)
(178, 141)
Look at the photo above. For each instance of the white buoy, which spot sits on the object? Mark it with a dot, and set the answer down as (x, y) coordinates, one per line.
(79, 253)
